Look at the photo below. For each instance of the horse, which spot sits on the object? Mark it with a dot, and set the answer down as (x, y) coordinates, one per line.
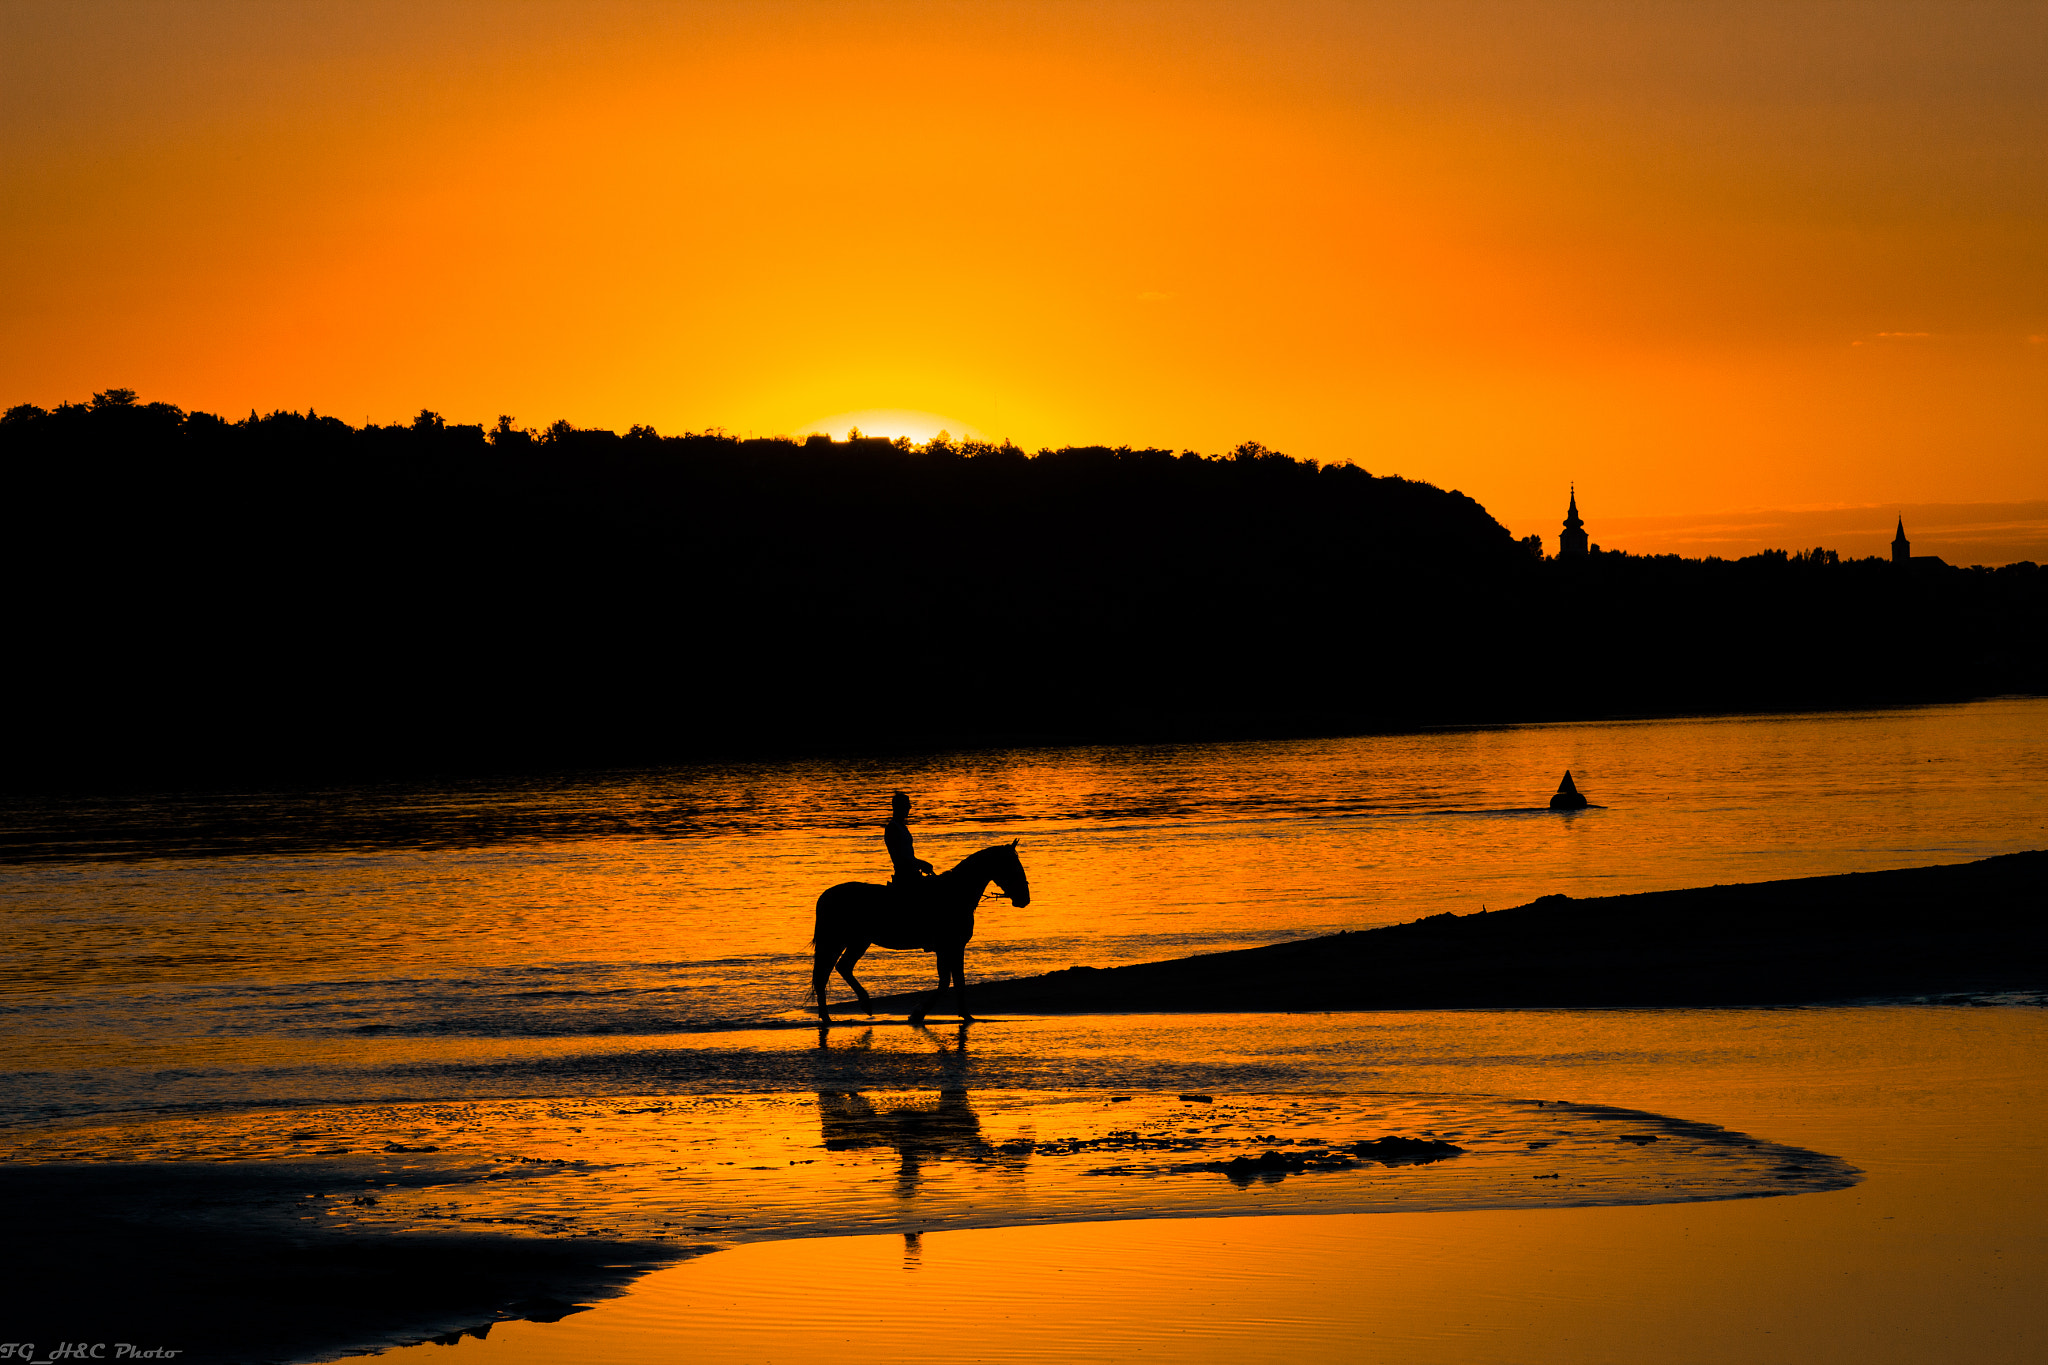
(935, 915)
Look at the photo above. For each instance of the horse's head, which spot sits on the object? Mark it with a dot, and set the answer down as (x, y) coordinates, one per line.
(1009, 875)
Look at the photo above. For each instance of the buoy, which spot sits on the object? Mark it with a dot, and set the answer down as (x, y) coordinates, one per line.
(1567, 797)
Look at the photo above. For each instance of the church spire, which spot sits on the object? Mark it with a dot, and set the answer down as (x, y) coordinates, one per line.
(1902, 548)
(1572, 541)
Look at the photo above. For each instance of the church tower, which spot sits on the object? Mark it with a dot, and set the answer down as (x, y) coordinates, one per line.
(1572, 541)
(1902, 548)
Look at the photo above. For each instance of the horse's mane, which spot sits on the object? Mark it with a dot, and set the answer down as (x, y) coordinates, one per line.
(979, 854)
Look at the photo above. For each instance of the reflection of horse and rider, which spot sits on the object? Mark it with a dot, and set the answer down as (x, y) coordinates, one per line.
(916, 911)
(921, 1133)
(921, 1128)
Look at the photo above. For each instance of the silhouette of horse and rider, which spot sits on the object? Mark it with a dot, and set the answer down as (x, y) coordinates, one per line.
(917, 911)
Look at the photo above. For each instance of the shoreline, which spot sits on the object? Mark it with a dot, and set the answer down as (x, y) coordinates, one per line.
(238, 1240)
(418, 1238)
(1954, 929)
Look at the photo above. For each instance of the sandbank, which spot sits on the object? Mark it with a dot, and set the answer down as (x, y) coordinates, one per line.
(1963, 929)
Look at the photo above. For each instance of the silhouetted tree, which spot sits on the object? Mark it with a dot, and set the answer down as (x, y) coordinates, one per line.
(291, 590)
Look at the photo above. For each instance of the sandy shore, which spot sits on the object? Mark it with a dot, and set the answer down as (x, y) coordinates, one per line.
(1964, 929)
(229, 1237)
(218, 1261)
(1936, 1255)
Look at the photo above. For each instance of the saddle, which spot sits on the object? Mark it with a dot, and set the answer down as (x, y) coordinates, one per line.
(912, 917)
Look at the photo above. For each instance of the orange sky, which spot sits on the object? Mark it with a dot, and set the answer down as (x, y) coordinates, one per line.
(1711, 256)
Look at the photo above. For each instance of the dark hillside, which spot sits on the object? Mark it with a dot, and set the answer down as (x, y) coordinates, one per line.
(289, 593)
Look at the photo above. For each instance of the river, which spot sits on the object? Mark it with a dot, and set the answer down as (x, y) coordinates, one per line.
(220, 948)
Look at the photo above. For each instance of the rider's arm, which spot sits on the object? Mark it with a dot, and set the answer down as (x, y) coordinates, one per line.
(896, 838)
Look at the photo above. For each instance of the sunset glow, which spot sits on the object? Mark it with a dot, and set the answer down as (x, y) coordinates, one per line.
(891, 423)
(1708, 258)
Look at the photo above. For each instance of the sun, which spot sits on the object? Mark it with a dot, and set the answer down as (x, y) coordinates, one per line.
(891, 423)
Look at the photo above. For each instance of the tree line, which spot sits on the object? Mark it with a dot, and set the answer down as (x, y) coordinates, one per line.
(287, 593)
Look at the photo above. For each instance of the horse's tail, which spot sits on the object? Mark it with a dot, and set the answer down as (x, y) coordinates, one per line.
(817, 942)
(818, 917)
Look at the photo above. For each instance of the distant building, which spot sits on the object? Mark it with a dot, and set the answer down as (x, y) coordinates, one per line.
(1572, 540)
(1902, 552)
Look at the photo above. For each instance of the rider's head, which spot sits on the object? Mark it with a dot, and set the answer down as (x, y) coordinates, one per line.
(900, 804)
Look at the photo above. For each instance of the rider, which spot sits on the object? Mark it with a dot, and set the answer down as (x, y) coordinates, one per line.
(896, 838)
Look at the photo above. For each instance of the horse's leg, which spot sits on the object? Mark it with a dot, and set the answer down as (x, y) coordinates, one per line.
(957, 962)
(822, 956)
(846, 961)
(917, 1014)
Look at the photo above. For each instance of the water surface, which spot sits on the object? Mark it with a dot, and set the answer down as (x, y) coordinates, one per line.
(190, 948)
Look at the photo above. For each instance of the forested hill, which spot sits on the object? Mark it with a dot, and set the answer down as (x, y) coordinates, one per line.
(289, 593)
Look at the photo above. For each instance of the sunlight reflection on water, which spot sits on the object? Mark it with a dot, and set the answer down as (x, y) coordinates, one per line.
(642, 903)
(1936, 1255)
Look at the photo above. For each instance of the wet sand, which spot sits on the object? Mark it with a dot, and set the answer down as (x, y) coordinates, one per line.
(1964, 929)
(1937, 1255)
(212, 1260)
(306, 1233)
